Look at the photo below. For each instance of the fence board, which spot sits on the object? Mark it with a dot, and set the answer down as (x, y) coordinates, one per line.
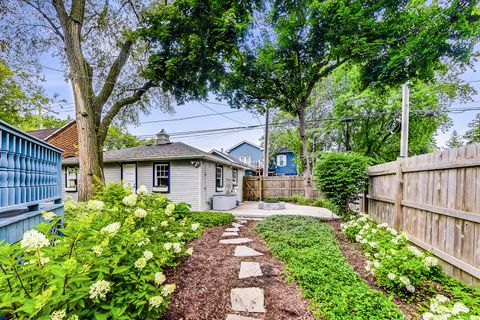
(435, 198)
(258, 188)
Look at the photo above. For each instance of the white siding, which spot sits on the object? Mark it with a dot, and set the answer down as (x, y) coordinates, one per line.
(112, 173)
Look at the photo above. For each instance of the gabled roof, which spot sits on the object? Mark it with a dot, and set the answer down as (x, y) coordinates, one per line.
(244, 142)
(45, 134)
(158, 152)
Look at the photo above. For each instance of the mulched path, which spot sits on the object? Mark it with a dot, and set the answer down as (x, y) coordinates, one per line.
(204, 281)
(354, 255)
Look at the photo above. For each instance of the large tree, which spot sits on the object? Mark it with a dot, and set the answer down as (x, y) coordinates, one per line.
(299, 43)
(455, 140)
(100, 45)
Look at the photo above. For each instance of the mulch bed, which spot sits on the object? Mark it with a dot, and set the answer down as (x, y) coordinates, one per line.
(354, 255)
(205, 279)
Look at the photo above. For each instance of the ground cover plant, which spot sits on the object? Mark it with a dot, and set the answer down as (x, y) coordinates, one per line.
(314, 202)
(107, 263)
(313, 259)
(405, 270)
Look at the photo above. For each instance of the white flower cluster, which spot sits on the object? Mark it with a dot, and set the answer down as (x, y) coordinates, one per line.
(58, 314)
(148, 254)
(143, 242)
(99, 289)
(96, 205)
(48, 215)
(112, 228)
(140, 213)
(140, 263)
(168, 289)
(159, 278)
(170, 208)
(130, 200)
(155, 301)
(195, 226)
(142, 190)
(33, 240)
(164, 223)
(177, 247)
(442, 308)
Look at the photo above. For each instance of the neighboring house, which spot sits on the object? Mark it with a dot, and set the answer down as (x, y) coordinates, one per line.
(182, 172)
(249, 171)
(284, 163)
(65, 138)
(247, 153)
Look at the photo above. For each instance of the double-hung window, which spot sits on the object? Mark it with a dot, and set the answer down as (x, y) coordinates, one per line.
(161, 177)
(71, 179)
(219, 178)
(281, 160)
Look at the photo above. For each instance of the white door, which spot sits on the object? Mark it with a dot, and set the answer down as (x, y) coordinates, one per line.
(130, 175)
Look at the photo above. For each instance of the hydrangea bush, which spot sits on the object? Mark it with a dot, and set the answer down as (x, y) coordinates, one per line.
(403, 268)
(108, 262)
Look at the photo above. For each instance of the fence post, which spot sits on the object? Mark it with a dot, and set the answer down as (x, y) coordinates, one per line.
(398, 215)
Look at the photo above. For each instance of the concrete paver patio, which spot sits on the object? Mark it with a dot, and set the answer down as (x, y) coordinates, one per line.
(249, 209)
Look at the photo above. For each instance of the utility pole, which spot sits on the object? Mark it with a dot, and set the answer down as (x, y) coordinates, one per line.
(405, 120)
(265, 145)
(40, 116)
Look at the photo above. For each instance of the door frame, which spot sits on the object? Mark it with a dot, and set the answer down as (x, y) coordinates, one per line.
(136, 174)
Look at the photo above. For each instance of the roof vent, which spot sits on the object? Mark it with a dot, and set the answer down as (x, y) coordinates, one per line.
(163, 137)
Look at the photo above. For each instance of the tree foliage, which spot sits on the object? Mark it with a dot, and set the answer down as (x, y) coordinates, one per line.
(455, 140)
(119, 139)
(473, 134)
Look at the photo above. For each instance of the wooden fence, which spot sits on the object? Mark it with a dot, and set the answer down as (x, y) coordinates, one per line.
(258, 188)
(435, 198)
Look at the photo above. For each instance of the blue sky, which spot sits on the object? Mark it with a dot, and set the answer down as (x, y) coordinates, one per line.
(55, 83)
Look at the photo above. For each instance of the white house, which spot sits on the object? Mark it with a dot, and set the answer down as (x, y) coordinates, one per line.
(183, 173)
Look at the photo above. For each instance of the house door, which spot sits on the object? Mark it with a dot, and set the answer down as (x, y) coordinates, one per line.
(129, 175)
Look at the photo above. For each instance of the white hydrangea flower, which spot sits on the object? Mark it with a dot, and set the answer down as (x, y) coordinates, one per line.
(159, 278)
(372, 244)
(140, 213)
(99, 289)
(33, 240)
(48, 215)
(73, 317)
(97, 250)
(189, 251)
(363, 241)
(70, 205)
(391, 276)
(404, 280)
(373, 231)
(368, 266)
(148, 254)
(393, 231)
(441, 298)
(177, 247)
(416, 252)
(410, 288)
(170, 208)
(395, 241)
(58, 314)
(167, 245)
(155, 301)
(130, 200)
(459, 307)
(179, 235)
(112, 228)
(195, 226)
(358, 238)
(430, 262)
(376, 264)
(383, 225)
(169, 234)
(95, 205)
(168, 289)
(428, 316)
(153, 228)
(140, 263)
(164, 223)
(142, 189)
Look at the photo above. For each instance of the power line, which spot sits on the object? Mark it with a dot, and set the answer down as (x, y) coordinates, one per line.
(193, 117)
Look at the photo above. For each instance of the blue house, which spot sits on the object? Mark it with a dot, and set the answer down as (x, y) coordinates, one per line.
(30, 182)
(247, 153)
(284, 163)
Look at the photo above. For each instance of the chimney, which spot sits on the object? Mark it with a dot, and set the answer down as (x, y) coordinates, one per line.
(163, 137)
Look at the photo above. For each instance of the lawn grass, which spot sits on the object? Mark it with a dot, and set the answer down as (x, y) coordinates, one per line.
(212, 219)
(313, 259)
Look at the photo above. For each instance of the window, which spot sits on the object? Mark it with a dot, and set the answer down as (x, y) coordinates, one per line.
(281, 160)
(219, 178)
(246, 159)
(235, 177)
(161, 177)
(71, 179)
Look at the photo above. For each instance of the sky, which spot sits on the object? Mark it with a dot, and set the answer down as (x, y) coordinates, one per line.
(55, 83)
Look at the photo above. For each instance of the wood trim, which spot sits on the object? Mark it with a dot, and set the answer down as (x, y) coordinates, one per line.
(444, 166)
(443, 211)
(380, 198)
(446, 257)
(28, 204)
(381, 173)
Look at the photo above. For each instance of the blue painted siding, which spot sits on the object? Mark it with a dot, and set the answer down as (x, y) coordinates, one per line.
(245, 149)
(30, 181)
(290, 168)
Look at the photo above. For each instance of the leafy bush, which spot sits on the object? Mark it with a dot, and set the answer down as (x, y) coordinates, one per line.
(403, 269)
(314, 260)
(212, 219)
(107, 265)
(341, 177)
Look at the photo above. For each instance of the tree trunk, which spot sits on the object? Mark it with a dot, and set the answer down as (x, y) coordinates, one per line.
(304, 154)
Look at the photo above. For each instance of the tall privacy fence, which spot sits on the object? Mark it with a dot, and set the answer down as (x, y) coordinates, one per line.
(435, 198)
(30, 181)
(259, 188)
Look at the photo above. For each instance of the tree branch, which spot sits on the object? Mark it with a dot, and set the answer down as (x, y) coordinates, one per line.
(113, 74)
(62, 14)
(77, 12)
(56, 29)
(117, 106)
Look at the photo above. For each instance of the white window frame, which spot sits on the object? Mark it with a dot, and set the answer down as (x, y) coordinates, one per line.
(71, 174)
(246, 159)
(281, 160)
(156, 187)
(235, 177)
(219, 175)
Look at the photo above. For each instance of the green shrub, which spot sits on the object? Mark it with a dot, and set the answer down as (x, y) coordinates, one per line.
(341, 177)
(212, 219)
(107, 264)
(313, 259)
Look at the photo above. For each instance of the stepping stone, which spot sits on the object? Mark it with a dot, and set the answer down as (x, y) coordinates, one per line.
(247, 299)
(236, 225)
(242, 221)
(237, 317)
(229, 234)
(232, 230)
(235, 241)
(249, 269)
(244, 251)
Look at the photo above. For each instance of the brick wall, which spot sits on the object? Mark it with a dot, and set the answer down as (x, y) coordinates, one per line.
(67, 140)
